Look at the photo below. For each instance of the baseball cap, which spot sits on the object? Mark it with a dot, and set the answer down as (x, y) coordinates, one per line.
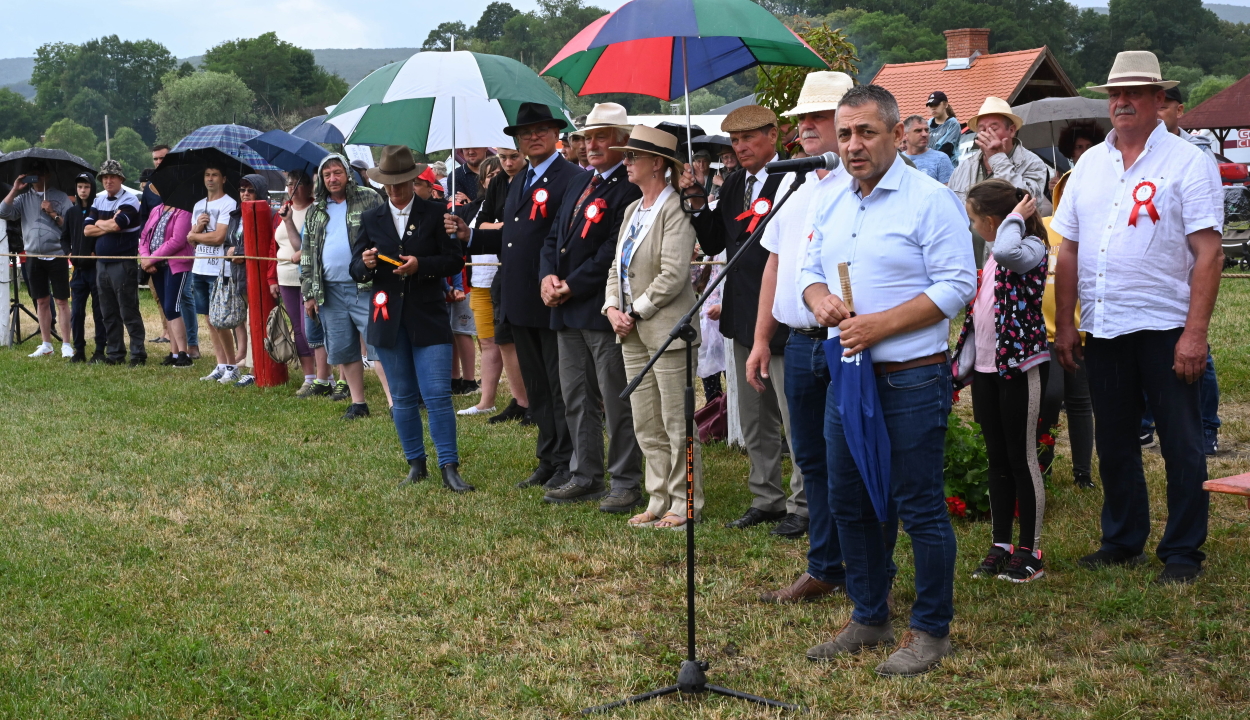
(1173, 94)
(935, 98)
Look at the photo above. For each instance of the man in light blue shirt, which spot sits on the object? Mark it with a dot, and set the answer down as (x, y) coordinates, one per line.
(907, 241)
(931, 162)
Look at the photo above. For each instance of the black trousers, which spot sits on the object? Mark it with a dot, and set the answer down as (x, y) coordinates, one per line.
(539, 357)
(1120, 370)
(118, 284)
(1069, 391)
(82, 287)
(1007, 411)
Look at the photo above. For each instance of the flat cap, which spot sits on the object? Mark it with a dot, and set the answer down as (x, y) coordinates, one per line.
(748, 117)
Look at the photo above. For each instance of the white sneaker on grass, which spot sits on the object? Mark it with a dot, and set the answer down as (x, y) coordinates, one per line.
(246, 381)
(67, 350)
(216, 374)
(43, 349)
(475, 410)
(229, 376)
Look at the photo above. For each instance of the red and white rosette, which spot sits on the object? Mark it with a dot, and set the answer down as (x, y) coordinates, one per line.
(594, 213)
(1143, 197)
(758, 209)
(380, 299)
(540, 202)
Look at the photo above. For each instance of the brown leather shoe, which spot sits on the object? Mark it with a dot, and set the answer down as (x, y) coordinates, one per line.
(805, 589)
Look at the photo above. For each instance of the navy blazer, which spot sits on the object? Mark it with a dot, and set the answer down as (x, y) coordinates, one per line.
(583, 262)
(415, 303)
(720, 229)
(519, 244)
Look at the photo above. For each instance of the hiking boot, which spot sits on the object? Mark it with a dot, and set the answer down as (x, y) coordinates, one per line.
(919, 653)
(852, 639)
(805, 589)
(1178, 574)
(1107, 558)
(993, 564)
(1023, 567)
(561, 477)
(620, 501)
(572, 492)
(341, 392)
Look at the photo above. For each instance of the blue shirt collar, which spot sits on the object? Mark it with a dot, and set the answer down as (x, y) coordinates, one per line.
(542, 167)
(892, 179)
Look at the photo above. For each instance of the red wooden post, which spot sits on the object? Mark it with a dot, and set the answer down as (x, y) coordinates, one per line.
(258, 242)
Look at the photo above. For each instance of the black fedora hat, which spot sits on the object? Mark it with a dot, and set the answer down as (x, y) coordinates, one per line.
(533, 113)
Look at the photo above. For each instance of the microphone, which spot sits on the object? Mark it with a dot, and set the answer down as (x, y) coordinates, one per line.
(828, 161)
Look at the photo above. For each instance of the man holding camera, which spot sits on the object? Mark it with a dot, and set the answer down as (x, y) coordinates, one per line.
(41, 210)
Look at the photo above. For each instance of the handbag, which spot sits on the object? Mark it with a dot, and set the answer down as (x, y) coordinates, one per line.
(279, 342)
(227, 308)
(712, 420)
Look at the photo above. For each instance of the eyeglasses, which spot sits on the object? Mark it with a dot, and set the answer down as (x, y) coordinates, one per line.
(534, 132)
(632, 157)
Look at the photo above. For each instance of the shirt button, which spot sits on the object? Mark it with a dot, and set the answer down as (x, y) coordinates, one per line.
(852, 234)
(509, 244)
(516, 219)
(563, 250)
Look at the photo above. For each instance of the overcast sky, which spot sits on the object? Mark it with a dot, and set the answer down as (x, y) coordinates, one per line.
(190, 28)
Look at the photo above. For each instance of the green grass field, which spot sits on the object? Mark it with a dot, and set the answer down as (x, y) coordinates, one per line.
(176, 549)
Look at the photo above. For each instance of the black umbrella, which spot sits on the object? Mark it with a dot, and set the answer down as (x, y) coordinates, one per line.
(61, 167)
(714, 144)
(180, 178)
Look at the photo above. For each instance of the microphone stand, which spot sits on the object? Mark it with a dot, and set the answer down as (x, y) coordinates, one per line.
(692, 677)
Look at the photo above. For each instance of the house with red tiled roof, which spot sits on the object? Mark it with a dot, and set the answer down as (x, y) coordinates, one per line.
(970, 73)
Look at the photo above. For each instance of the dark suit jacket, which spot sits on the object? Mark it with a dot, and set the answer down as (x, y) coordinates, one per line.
(415, 303)
(519, 244)
(719, 230)
(583, 262)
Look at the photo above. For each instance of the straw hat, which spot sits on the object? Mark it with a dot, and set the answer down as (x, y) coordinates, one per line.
(396, 167)
(821, 91)
(605, 115)
(995, 106)
(748, 117)
(655, 142)
(1135, 67)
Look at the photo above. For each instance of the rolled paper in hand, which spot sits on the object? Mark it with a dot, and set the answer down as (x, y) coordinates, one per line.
(392, 261)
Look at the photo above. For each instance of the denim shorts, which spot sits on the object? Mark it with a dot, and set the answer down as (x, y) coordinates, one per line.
(314, 333)
(345, 319)
(202, 287)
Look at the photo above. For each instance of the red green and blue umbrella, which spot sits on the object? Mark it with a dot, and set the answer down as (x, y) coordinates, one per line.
(666, 48)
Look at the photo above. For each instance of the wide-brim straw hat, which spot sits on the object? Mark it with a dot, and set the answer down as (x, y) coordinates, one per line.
(995, 106)
(605, 115)
(396, 167)
(822, 90)
(1135, 67)
(656, 142)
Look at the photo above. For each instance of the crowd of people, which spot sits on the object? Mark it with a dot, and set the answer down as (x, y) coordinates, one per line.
(579, 266)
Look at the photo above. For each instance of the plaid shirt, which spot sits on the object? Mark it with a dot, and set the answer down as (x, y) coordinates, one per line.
(359, 199)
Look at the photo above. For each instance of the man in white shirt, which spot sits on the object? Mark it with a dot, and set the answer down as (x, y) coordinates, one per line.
(907, 241)
(210, 218)
(781, 302)
(1142, 250)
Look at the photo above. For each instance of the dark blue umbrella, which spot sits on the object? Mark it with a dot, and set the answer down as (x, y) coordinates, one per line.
(288, 152)
(317, 130)
(854, 387)
(229, 139)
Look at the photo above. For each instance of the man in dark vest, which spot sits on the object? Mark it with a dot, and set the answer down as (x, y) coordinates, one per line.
(575, 262)
(534, 202)
(745, 198)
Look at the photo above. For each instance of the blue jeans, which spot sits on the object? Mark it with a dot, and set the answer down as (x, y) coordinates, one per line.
(186, 306)
(406, 364)
(1209, 401)
(1126, 374)
(915, 404)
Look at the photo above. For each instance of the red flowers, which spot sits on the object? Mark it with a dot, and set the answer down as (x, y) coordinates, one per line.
(956, 506)
(1048, 440)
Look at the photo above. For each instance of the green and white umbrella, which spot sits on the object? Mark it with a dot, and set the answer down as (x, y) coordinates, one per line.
(441, 101)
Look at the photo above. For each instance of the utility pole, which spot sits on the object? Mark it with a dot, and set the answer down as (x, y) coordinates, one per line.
(108, 147)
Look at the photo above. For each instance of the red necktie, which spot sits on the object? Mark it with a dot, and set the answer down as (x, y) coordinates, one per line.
(577, 209)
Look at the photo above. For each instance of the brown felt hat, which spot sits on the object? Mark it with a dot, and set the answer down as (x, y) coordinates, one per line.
(748, 117)
(396, 166)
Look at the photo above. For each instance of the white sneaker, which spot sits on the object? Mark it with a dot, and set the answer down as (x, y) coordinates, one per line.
(364, 360)
(67, 350)
(214, 375)
(43, 349)
(475, 410)
(246, 381)
(229, 377)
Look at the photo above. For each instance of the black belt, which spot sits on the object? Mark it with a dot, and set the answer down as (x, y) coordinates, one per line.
(816, 333)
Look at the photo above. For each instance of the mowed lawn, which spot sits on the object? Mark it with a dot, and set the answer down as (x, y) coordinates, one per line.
(178, 549)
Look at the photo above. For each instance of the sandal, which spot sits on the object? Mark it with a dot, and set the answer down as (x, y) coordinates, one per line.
(671, 521)
(643, 519)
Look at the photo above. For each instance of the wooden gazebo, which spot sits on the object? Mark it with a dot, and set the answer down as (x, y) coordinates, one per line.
(1223, 112)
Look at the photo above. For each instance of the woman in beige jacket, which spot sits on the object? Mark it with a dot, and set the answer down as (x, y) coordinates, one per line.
(648, 292)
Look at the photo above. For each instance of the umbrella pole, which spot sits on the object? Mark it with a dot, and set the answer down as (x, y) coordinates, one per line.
(451, 159)
(685, 82)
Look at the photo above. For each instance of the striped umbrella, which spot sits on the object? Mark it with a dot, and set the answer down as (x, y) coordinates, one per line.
(441, 101)
(230, 139)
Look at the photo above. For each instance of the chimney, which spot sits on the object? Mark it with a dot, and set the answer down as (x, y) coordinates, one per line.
(965, 42)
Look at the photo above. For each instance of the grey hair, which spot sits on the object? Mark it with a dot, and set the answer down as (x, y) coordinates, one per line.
(861, 95)
(912, 120)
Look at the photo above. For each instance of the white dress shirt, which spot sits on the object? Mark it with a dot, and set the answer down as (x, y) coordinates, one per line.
(1136, 277)
(907, 237)
(787, 236)
(399, 216)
